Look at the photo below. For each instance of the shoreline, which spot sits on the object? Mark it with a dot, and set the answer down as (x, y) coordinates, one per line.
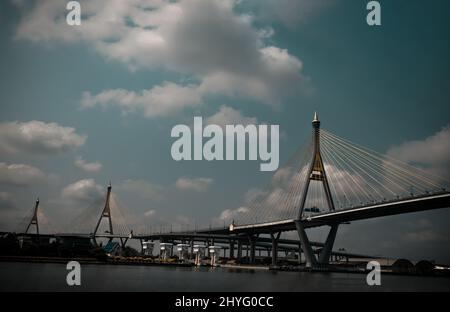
(144, 262)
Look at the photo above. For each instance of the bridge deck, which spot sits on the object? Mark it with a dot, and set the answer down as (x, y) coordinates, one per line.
(424, 203)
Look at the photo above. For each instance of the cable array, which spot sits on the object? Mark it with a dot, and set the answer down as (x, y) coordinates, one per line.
(357, 177)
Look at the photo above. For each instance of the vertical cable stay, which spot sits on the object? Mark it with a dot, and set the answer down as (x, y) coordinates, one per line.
(333, 183)
(345, 170)
(357, 183)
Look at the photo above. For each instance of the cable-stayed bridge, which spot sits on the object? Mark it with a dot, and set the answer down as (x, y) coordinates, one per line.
(328, 181)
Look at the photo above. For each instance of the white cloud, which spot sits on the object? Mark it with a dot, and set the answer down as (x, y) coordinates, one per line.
(143, 189)
(80, 163)
(158, 101)
(230, 214)
(194, 184)
(432, 152)
(150, 213)
(85, 190)
(206, 41)
(252, 194)
(20, 175)
(37, 137)
(228, 116)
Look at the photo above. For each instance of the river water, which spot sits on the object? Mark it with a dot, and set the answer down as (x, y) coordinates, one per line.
(16, 276)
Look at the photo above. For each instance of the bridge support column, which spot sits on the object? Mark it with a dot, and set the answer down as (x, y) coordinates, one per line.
(142, 246)
(231, 249)
(324, 257)
(123, 242)
(275, 238)
(299, 253)
(311, 259)
(252, 240)
(239, 251)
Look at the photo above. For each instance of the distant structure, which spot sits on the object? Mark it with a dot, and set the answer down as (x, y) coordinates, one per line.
(106, 213)
(34, 218)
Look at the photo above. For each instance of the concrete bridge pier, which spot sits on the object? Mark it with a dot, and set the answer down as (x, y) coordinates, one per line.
(252, 241)
(299, 253)
(311, 259)
(231, 249)
(239, 251)
(324, 257)
(142, 246)
(275, 238)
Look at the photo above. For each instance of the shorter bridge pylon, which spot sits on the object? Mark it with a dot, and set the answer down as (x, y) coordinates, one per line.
(34, 218)
(106, 213)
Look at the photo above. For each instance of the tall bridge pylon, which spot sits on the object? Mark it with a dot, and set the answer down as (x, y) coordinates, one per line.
(316, 172)
(34, 218)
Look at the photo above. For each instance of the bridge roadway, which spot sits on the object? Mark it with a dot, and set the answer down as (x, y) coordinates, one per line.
(409, 205)
(261, 243)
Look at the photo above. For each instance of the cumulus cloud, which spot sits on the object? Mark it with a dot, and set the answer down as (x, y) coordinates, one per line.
(432, 152)
(230, 214)
(85, 190)
(228, 116)
(206, 41)
(20, 175)
(158, 101)
(143, 189)
(80, 163)
(150, 213)
(37, 137)
(194, 184)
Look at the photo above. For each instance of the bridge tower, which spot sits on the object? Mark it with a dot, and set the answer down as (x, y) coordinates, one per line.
(316, 173)
(34, 218)
(106, 213)
(316, 169)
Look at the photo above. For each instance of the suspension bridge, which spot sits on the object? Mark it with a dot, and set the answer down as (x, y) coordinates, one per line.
(329, 181)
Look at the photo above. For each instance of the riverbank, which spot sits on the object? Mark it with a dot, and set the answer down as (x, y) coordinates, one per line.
(81, 260)
(142, 261)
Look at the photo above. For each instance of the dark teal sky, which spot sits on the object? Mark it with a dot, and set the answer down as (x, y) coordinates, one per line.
(378, 86)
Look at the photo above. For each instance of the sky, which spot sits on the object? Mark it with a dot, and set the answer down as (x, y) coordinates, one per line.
(85, 105)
